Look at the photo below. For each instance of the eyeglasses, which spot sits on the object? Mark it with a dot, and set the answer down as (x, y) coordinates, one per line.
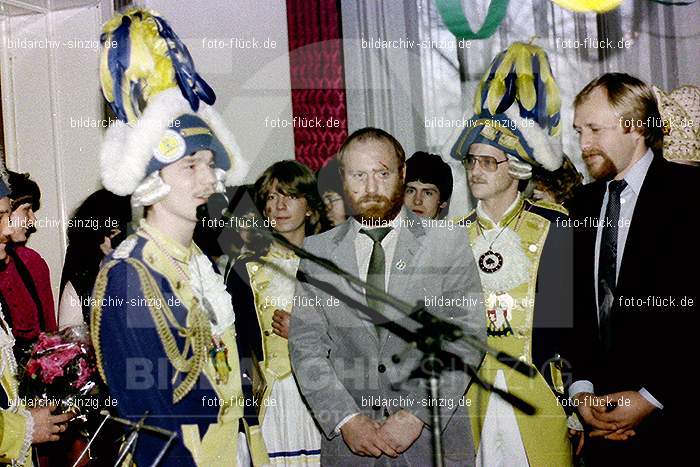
(488, 163)
(330, 199)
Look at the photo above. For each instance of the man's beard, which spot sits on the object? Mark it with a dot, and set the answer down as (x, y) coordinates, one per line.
(605, 171)
(383, 209)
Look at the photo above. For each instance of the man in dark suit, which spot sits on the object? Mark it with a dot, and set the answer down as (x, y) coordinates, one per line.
(371, 410)
(635, 300)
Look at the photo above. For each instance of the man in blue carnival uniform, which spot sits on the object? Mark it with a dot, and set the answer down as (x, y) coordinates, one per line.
(162, 321)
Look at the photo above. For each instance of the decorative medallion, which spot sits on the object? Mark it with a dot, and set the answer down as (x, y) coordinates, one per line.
(490, 261)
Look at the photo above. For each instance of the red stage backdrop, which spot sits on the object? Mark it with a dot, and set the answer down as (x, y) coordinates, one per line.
(317, 76)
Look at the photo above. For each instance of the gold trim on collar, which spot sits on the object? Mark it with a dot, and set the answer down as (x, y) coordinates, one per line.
(176, 250)
(515, 210)
(195, 131)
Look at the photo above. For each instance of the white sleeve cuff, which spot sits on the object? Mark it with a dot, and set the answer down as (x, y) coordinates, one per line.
(652, 400)
(580, 386)
(343, 422)
(25, 453)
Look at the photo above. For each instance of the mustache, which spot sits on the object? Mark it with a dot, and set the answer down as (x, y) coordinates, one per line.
(375, 198)
(594, 152)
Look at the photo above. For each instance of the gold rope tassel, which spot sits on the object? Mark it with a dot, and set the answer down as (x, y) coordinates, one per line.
(197, 333)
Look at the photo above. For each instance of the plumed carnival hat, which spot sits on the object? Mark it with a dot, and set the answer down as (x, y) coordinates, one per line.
(680, 111)
(517, 106)
(163, 108)
(582, 6)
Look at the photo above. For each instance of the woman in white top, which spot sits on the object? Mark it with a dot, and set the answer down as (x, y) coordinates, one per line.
(262, 285)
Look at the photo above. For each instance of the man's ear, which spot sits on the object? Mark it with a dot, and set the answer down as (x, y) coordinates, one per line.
(403, 173)
(443, 205)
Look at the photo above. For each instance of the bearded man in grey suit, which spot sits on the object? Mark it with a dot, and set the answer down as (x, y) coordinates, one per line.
(371, 410)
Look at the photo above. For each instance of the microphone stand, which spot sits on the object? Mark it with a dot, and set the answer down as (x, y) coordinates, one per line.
(130, 445)
(428, 337)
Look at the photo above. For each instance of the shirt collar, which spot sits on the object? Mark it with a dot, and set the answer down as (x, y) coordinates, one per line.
(395, 223)
(170, 246)
(635, 176)
(512, 211)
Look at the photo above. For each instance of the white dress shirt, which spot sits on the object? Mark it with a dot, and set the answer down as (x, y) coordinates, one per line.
(628, 200)
(363, 251)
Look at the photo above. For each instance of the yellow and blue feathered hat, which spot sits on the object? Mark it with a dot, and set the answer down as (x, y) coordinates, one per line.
(162, 104)
(141, 57)
(517, 109)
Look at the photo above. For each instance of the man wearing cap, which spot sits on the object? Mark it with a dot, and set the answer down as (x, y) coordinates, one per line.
(521, 248)
(20, 427)
(25, 280)
(162, 321)
(680, 111)
(428, 185)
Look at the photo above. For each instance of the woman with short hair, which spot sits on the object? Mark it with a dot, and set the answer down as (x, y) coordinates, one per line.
(262, 286)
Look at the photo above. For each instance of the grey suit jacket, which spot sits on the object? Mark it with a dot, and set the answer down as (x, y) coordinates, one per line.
(343, 364)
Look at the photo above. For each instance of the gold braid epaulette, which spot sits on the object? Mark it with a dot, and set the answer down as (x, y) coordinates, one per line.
(197, 334)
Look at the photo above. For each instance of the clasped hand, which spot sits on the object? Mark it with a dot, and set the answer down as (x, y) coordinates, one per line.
(367, 437)
(613, 423)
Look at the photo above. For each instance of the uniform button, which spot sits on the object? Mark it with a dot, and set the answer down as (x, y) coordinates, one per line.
(623, 200)
(267, 333)
(386, 413)
(381, 368)
(376, 407)
(532, 248)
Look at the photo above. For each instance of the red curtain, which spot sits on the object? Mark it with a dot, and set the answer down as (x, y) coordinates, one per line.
(317, 76)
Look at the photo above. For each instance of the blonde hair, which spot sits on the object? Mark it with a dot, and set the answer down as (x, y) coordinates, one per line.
(634, 100)
(293, 179)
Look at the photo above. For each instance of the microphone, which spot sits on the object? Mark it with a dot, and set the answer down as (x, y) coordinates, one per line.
(137, 425)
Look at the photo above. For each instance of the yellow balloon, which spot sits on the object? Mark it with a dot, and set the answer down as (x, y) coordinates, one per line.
(582, 6)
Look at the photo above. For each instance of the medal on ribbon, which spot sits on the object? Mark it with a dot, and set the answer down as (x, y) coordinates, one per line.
(219, 358)
(499, 311)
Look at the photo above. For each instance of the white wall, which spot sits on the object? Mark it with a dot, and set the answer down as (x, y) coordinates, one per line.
(45, 91)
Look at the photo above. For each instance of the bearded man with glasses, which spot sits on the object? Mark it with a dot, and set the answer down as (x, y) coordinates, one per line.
(521, 248)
